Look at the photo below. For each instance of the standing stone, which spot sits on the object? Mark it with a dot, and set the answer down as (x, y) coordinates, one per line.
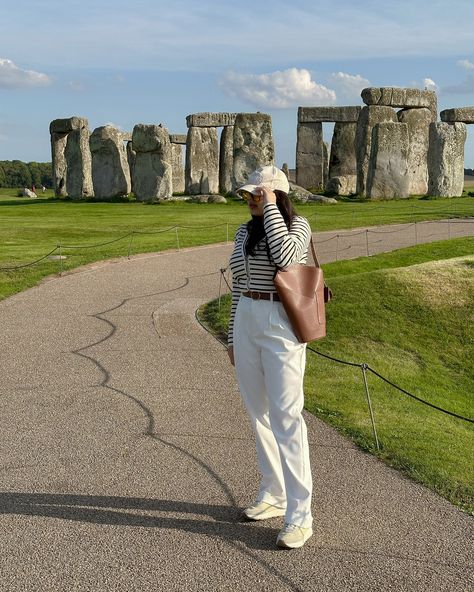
(131, 155)
(368, 118)
(178, 168)
(202, 161)
(110, 169)
(418, 122)
(72, 171)
(59, 164)
(446, 159)
(310, 155)
(286, 170)
(388, 169)
(226, 159)
(342, 161)
(152, 171)
(325, 163)
(253, 145)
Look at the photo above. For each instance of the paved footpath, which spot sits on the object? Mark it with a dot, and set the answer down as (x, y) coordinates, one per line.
(126, 456)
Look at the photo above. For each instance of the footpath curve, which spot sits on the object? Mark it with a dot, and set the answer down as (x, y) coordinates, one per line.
(126, 455)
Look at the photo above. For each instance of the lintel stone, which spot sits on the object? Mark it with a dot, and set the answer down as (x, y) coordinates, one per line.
(210, 119)
(331, 114)
(458, 115)
(178, 138)
(64, 126)
(392, 96)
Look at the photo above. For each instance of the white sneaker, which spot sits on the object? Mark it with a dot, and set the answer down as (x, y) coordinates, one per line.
(292, 536)
(262, 511)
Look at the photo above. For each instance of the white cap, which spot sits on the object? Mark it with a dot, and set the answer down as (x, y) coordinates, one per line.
(268, 176)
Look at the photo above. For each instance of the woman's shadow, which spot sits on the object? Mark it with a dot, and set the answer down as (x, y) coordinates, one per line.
(225, 522)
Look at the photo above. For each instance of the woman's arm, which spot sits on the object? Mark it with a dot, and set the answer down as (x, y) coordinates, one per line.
(286, 246)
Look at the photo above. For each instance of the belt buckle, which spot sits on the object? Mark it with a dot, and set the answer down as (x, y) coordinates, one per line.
(254, 295)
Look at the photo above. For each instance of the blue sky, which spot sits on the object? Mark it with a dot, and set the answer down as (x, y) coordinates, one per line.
(144, 61)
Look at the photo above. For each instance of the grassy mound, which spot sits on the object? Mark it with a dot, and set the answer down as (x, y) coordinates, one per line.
(413, 324)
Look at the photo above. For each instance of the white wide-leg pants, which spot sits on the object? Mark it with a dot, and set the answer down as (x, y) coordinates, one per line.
(270, 363)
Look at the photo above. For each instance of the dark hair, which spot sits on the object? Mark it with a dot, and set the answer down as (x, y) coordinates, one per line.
(255, 227)
(285, 205)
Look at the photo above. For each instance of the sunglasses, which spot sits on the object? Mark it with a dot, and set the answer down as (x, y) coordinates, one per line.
(247, 196)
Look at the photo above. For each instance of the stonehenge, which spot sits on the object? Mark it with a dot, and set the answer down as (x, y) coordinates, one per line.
(393, 146)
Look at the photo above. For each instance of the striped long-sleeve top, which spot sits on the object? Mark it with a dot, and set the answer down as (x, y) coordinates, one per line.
(257, 272)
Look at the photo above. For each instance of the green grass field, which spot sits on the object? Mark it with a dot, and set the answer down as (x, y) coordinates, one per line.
(29, 229)
(409, 315)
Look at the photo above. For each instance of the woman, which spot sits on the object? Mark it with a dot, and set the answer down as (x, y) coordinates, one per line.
(268, 358)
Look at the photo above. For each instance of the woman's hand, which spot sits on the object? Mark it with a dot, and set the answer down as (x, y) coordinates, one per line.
(230, 352)
(267, 194)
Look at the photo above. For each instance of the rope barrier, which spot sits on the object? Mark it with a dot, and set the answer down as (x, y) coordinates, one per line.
(153, 231)
(144, 232)
(418, 398)
(28, 264)
(115, 240)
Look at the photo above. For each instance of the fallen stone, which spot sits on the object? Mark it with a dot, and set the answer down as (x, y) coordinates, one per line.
(387, 176)
(28, 193)
(446, 159)
(342, 185)
(298, 193)
(219, 199)
(321, 114)
(458, 115)
(210, 119)
(253, 145)
(322, 199)
(392, 96)
(368, 118)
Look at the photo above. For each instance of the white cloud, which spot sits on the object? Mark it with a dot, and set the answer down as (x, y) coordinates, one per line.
(11, 76)
(466, 64)
(429, 84)
(350, 85)
(426, 84)
(277, 90)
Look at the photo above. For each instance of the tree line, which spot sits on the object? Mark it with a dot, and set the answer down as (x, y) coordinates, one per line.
(15, 173)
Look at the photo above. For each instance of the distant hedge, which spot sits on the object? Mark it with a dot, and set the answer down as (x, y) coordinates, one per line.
(15, 173)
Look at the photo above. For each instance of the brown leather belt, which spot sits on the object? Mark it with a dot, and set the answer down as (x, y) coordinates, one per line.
(261, 295)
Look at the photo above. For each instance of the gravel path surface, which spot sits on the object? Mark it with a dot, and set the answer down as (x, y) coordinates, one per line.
(126, 455)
